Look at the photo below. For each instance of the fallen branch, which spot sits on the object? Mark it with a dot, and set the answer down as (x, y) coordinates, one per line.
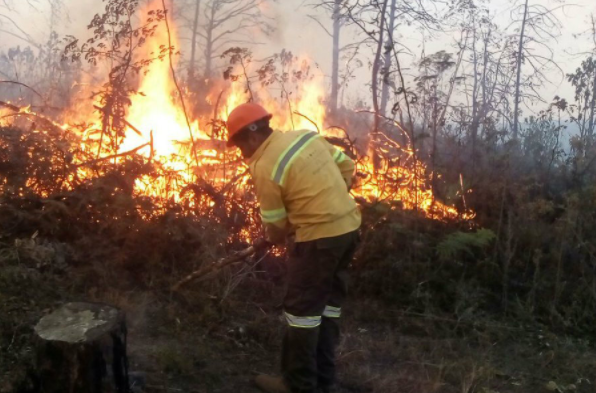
(126, 153)
(10, 106)
(26, 112)
(215, 266)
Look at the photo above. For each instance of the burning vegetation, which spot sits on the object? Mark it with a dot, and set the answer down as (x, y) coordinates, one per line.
(141, 113)
(479, 224)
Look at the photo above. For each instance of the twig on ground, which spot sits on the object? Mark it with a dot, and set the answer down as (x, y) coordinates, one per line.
(13, 338)
(456, 321)
(215, 266)
(238, 277)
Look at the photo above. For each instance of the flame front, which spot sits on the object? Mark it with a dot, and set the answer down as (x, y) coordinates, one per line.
(158, 121)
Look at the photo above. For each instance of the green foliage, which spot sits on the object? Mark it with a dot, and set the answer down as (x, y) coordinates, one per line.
(459, 244)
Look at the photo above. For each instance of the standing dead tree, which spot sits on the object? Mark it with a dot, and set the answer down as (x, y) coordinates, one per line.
(380, 21)
(335, 8)
(227, 23)
(401, 13)
(39, 63)
(537, 25)
(370, 18)
(584, 81)
(583, 113)
(9, 26)
(191, 22)
(348, 52)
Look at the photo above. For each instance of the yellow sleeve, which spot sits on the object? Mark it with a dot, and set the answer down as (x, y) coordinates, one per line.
(273, 211)
(346, 165)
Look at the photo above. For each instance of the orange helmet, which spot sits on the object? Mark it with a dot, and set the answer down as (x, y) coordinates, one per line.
(243, 116)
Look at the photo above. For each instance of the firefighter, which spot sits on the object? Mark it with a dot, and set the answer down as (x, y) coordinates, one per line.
(302, 184)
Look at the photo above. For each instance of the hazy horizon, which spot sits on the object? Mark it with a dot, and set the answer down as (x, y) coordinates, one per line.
(297, 32)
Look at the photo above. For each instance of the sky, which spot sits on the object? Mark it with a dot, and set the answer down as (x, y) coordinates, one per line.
(297, 32)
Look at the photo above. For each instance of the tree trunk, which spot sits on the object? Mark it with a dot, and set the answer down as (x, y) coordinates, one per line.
(193, 47)
(376, 65)
(475, 89)
(209, 43)
(518, 73)
(81, 348)
(335, 66)
(484, 106)
(593, 103)
(387, 61)
(375, 84)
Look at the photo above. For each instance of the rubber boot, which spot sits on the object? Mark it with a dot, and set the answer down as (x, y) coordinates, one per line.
(271, 384)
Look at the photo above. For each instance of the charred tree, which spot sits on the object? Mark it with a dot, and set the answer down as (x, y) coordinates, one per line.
(227, 23)
(377, 65)
(335, 64)
(193, 42)
(538, 24)
(335, 7)
(519, 60)
(389, 47)
(81, 348)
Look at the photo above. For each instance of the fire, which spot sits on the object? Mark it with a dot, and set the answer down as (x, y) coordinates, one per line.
(160, 123)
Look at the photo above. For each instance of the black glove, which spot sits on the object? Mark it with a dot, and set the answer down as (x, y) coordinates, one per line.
(261, 244)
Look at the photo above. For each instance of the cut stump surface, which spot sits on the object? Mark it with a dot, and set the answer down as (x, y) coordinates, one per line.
(82, 348)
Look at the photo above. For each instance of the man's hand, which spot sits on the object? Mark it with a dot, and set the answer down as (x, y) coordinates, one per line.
(261, 244)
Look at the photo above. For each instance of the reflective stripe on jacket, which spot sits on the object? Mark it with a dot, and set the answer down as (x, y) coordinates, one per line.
(302, 183)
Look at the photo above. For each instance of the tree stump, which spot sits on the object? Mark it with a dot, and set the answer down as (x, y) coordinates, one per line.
(81, 348)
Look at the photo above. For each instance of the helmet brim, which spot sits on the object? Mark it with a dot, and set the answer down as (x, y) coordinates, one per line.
(231, 143)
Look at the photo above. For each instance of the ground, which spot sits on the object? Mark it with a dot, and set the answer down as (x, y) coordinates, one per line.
(199, 341)
(382, 350)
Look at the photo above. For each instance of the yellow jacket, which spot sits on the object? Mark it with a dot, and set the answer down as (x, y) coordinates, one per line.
(302, 184)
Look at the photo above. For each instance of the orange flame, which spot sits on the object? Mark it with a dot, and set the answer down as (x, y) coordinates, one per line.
(163, 124)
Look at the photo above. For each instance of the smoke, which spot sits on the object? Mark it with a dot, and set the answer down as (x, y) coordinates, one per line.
(26, 23)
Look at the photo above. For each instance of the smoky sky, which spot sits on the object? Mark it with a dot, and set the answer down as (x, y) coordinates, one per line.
(296, 31)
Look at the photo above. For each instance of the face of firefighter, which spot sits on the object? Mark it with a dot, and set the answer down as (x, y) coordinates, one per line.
(249, 143)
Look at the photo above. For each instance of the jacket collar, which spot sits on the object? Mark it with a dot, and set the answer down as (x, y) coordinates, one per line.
(261, 150)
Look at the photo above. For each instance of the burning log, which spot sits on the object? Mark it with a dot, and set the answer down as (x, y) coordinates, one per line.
(81, 348)
(215, 266)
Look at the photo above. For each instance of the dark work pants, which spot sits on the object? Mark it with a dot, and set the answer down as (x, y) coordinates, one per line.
(317, 286)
